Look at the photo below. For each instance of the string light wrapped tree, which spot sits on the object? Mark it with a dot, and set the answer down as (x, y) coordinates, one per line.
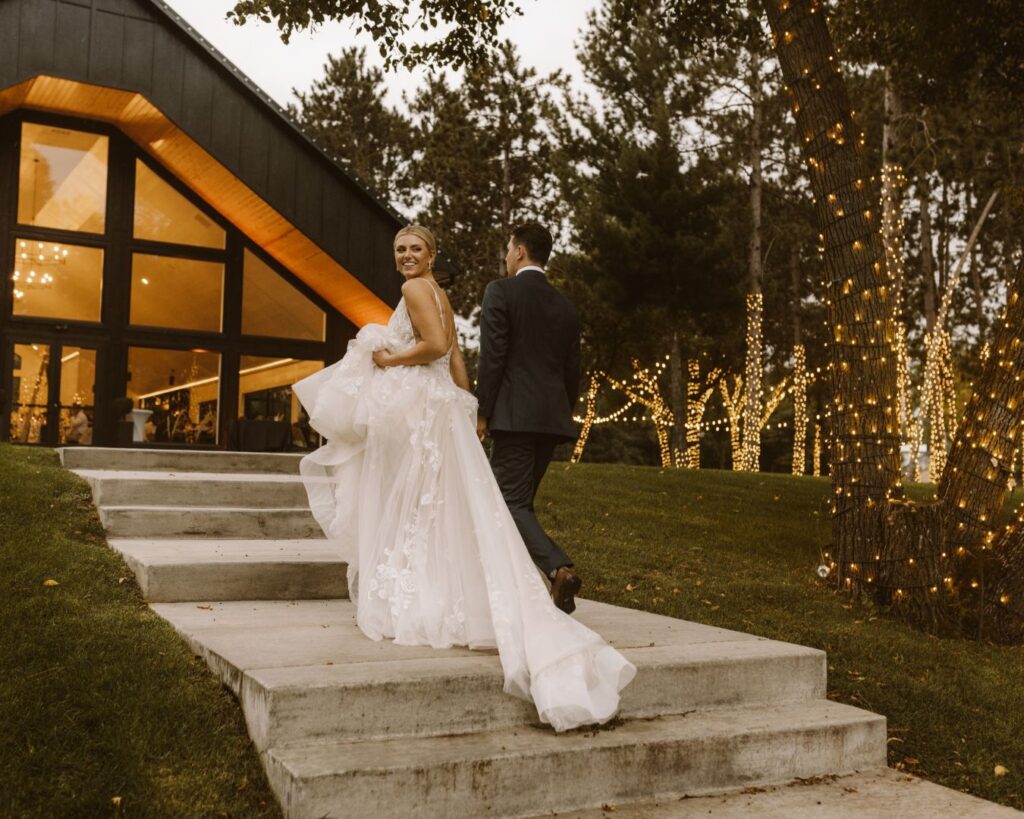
(865, 448)
(876, 534)
(698, 393)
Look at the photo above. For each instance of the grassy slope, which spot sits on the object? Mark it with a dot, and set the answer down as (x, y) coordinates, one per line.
(98, 696)
(739, 551)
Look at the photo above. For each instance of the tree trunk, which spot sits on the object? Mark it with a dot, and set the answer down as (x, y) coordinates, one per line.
(800, 378)
(974, 484)
(677, 400)
(506, 207)
(927, 255)
(754, 369)
(865, 455)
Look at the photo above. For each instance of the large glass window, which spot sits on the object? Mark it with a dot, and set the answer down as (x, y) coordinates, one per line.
(181, 293)
(272, 307)
(56, 280)
(164, 215)
(63, 178)
(179, 389)
(268, 405)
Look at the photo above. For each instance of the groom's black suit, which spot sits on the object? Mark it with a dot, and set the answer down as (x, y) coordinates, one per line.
(527, 384)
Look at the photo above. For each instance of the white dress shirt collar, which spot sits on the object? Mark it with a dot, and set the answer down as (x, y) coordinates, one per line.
(530, 267)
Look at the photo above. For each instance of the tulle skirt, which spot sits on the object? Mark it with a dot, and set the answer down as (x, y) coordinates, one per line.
(405, 491)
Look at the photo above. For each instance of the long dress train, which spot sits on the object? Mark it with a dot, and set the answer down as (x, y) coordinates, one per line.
(405, 491)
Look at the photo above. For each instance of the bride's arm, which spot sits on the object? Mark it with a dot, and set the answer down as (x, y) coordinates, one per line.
(458, 367)
(433, 340)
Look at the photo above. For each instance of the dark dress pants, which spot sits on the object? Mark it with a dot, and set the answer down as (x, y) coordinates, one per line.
(519, 461)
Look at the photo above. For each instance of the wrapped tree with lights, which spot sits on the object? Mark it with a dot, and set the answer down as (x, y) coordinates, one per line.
(928, 559)
(865, 451)
(698, 393)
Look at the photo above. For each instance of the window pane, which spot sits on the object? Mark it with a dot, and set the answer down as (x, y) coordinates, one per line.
(164, 215)
(58, 281)
(63, 178)
(272, 307)
(180, 391)
(29, 392)
(269, 408)
(77, 400)
(180, 293)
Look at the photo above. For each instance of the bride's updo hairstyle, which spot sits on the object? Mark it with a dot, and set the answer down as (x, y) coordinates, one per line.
(423, 233)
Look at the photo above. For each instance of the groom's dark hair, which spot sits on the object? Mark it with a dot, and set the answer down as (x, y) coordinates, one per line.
(536, 239)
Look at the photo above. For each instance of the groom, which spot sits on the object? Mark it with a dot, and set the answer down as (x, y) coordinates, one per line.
(527, 384)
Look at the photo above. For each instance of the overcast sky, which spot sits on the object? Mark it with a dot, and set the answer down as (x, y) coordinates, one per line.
(545, 35)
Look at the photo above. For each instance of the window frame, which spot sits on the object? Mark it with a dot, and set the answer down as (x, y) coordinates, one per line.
(114, 333)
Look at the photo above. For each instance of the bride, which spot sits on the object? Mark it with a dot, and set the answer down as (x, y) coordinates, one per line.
(404, 488)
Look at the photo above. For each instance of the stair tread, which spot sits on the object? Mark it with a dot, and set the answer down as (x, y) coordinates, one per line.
(181, 475)
(258, 553)
(296, 638)
(330, 758)
(878, 794)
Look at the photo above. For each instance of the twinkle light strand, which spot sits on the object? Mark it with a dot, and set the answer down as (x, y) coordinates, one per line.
(750, 458)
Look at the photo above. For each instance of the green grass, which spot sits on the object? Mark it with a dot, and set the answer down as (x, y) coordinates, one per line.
(99, 698)
(739, 551)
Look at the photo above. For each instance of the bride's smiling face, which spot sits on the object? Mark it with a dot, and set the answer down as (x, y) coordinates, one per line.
(412, 257)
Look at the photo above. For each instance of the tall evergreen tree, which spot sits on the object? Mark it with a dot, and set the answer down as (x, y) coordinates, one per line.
(346, 114)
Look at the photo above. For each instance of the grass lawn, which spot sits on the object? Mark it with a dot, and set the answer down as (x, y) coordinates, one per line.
(100, 701)
(739, 551)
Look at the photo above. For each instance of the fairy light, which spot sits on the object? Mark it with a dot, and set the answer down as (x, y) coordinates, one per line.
(750, 458)
(697, 395)
(588, 419)
(734, 401)
(801, 381)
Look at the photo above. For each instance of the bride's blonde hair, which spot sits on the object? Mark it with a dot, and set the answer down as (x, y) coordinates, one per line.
(423, 233)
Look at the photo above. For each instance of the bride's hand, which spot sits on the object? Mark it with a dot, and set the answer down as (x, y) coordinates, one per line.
(382, 358)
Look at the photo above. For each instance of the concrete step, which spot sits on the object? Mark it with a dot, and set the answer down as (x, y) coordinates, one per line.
(154, 488)
(532, 770)
(872, 795)
(184, 570)
(208, 522)
(305, 672)
(180, 460)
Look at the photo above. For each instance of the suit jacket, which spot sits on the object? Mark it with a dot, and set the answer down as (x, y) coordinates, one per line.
(528, 377)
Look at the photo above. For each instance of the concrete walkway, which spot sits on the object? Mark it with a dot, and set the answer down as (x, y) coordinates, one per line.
(226, 550)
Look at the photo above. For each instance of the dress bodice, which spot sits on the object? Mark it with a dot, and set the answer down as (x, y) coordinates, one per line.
(400, 327)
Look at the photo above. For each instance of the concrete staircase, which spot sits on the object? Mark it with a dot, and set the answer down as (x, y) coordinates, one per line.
(225, 549)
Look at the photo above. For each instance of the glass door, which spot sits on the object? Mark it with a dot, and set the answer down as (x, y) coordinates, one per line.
(53, 394)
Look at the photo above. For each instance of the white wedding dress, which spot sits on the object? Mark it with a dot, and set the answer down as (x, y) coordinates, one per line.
(404, 489)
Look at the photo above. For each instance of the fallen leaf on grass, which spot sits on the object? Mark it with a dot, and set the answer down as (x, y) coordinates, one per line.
(676, 591)
(50, 583)
(1000, 770)
(630, 587)
(115, 801)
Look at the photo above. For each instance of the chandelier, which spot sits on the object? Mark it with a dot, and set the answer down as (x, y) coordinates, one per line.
(30, 266)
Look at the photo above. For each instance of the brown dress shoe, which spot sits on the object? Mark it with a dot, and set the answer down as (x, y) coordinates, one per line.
(564, 588)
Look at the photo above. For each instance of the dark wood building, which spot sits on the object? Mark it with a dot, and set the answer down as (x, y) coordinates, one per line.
(170, 236)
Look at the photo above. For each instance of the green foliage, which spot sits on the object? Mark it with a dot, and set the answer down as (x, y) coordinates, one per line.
(483, 162)
(99, 697)
(471, 28)
(346, 114)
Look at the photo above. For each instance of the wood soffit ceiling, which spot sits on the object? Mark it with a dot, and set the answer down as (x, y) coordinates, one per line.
(142, 122)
